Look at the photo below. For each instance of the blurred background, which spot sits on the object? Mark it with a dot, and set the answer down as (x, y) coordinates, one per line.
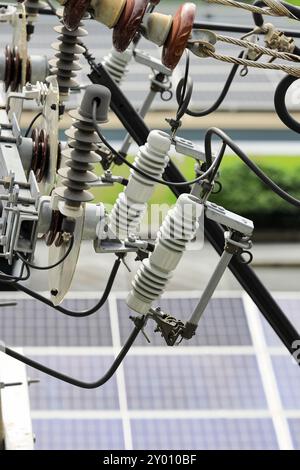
(233, 386)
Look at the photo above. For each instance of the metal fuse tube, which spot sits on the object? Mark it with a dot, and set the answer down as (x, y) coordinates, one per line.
(179, 227)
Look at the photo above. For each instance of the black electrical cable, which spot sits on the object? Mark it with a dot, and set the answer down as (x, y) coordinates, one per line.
(151, 178)
(239, 152)
(220, 99)
(240, 29)
(139, 324)
(280, 104)
(32, 122)
(52, 7)
(12, 278)
(258, 18)
(215, 170)
(46, 268)
(184, 90)
(74, 313)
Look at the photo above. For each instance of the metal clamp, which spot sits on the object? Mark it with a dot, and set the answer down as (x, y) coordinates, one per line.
(201, 40)
(169, 327)
(188, 148)
(146, 59)
(277, 40)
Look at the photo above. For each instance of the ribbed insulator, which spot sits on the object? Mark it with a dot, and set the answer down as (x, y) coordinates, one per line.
(179, 227)
(80, 156)
(129, 208)
(66, 63)
(116, 63)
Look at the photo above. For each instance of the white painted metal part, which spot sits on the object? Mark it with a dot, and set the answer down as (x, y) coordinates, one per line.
(15, 418)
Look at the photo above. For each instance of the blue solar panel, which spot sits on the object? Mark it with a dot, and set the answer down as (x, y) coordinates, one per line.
(223, 323)
(193, 382)
(288, 379)
(32, 323)
(295, 432)
(157, 381)
(207, 434)
(291, 309)
(51, 394)
(75, 434)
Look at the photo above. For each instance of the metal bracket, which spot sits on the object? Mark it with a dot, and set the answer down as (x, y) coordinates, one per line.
(146, 59)
(188, 148)
(277, 40)
(169, 327)
(228, 219)
(201, 39)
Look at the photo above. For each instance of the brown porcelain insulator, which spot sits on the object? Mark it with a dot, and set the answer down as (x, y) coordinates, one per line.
(129, 23)
(179, 35)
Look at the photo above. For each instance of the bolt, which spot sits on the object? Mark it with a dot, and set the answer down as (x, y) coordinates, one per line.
(131, 237)
(54, 292)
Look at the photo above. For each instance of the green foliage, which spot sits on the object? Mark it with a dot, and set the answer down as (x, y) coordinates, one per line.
(242, 192)
(245, 194)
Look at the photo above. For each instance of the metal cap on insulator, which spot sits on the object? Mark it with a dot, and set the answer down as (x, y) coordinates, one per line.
(107, 12)
(103, 96)
(158, 27)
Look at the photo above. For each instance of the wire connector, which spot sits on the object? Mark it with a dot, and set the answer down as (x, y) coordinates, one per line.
(169, 327)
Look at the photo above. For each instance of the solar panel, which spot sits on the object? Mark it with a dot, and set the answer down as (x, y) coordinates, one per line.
(207, 397)
(70, 434)
(291, 309)
(51, 394)
(295, 432)
(223, 323)
(32, 323)
(204, 434)
(193, 382)
(288, 380)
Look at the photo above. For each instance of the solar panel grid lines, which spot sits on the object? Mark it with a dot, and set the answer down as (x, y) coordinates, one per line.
(217, 391)
(51, 394)
(31, 325)
(122, 390)
(215, 328)
(79, 434)
(209, 434)
(268, 377)
(288, 380)
(295, 432)
(169, 382)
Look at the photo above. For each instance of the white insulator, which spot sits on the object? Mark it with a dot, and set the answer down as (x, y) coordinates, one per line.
(179, 227)
(131, 204)
(116, 63)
